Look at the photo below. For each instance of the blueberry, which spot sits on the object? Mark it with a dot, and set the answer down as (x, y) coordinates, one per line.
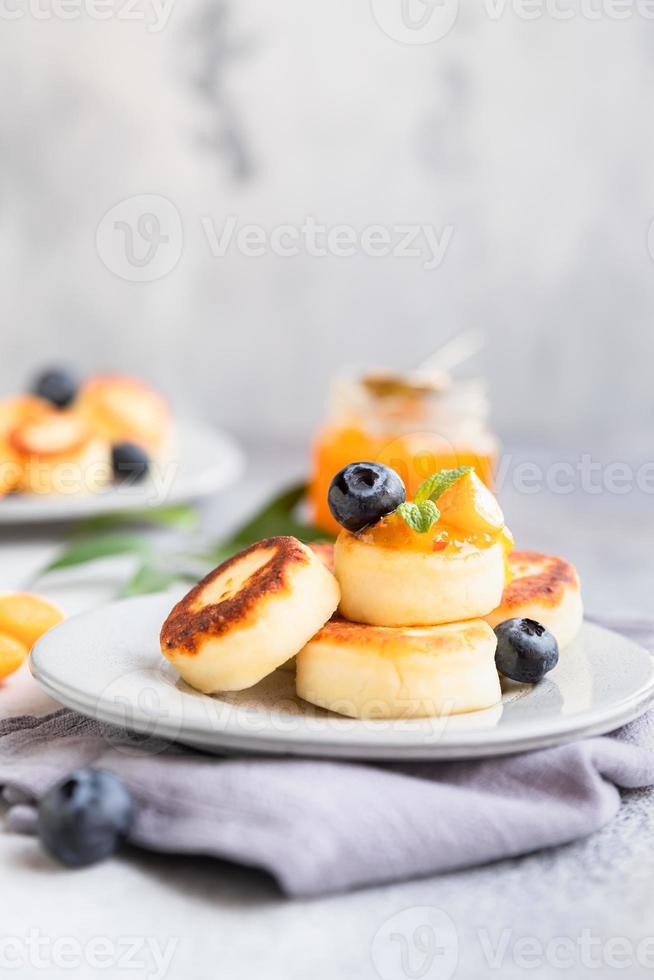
(363, 493)
(83, 818)
(526, 651)
(57, 386)
(129, 461)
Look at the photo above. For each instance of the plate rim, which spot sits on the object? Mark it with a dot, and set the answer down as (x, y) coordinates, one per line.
(367, 745)
(51, 509)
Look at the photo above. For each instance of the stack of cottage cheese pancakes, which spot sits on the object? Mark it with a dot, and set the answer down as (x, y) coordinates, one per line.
(416, 610)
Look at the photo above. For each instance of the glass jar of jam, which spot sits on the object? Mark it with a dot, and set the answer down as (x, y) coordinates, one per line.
(416, 423)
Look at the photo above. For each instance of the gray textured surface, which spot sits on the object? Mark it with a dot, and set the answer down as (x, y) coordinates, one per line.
(232, 922)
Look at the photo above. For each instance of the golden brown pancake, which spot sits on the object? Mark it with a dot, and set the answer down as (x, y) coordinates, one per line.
(325, 551)
(545, 588)
(249, 615)
(540, 577)
(404, 672)
(15, 411)
(388, 586)
(213, 607)
(57, 453)
(120, 408)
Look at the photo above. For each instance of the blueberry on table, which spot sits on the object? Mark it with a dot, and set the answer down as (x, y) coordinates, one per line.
(363, 493)
(57, 386)
(129, 462)
(526, 651)
(83, 818)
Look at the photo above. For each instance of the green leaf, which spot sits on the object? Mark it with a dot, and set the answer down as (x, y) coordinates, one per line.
(101, 546)
(274, 518)
(421, 517)
(277, 517)
(180, 516)
(438, 483)
(147, 579)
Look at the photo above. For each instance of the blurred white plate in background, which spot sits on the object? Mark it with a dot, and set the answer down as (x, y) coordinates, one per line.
(205, 460)
(107, 665)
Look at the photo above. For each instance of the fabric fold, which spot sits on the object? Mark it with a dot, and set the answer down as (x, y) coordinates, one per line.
(324, 826)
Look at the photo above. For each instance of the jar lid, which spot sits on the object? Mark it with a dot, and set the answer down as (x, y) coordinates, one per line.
(385, 401)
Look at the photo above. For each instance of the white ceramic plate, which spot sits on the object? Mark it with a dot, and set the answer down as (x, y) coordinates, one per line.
(205, 460)
(107, 664)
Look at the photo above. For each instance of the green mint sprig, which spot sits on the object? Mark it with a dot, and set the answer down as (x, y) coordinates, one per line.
(420, 517)
(438, 483)
(422, 513)
(159, 567)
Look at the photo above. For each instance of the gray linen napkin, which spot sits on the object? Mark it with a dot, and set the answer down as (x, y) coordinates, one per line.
(320, 826)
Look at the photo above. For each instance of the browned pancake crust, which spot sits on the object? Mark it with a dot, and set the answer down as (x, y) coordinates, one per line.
(189, 623)
(545, 586)
(385, 640)
(324, 551)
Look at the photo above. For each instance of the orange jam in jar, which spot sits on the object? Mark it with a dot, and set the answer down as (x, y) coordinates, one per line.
(415, 423)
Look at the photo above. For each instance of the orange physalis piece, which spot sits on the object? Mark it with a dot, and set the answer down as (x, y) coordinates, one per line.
(26, 617)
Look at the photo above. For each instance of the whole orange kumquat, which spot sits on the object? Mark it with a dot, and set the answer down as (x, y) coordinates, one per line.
(23, 619)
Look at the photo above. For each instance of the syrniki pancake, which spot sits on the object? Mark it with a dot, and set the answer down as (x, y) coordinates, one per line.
(18, 409)
(249, 615)
(58, 453)
(125, 409)
(325, 551)
(14, 412)
(379, 672)
(394, 587)
(544, 588)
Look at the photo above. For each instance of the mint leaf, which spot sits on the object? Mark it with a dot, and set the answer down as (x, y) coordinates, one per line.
(421, 517)
(101, 546)
(274, 518)
(110, 537)
(147, 579)
(181, 516)
(438, 483)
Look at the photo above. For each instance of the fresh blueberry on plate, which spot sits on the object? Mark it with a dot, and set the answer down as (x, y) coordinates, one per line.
(526, 651)
(83, 818)
(363, 493)
(57, 386)
(129, 462)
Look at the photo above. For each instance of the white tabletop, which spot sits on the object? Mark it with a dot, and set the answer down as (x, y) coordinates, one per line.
(585, 908)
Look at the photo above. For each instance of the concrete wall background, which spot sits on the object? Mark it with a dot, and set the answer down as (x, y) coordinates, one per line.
(530, 139)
